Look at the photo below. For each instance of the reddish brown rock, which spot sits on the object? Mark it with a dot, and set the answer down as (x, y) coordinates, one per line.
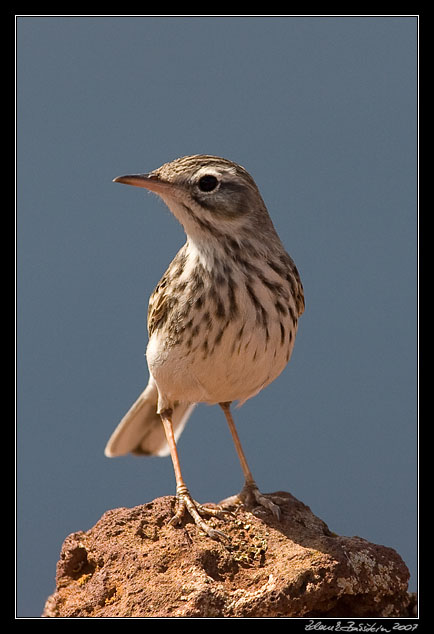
(133, 564)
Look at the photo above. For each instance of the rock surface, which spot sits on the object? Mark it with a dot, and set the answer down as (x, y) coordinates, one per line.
(133, 564)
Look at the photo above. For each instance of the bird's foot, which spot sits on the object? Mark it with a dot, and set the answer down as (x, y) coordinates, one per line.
(250, 496)
(186, 503)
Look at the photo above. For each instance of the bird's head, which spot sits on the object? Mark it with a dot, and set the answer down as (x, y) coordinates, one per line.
(210, 196)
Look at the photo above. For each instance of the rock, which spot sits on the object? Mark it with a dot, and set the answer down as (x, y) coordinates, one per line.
(133, 564)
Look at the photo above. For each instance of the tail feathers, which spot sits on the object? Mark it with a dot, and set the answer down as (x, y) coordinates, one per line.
(141, 431)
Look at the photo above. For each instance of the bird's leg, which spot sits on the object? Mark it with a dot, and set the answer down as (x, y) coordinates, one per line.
(185, 501)
(249, 494)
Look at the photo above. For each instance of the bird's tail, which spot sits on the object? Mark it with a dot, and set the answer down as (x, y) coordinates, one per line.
(141, 431)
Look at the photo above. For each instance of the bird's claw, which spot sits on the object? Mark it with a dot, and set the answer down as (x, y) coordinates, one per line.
(250, 496)
(186, 503)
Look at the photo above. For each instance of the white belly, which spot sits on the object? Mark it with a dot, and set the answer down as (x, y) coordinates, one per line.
(217, 361)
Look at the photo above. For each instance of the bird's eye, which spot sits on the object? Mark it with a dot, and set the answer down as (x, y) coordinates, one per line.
(207, 183)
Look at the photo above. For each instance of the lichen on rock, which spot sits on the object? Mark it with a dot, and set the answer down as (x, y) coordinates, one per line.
(132, 563)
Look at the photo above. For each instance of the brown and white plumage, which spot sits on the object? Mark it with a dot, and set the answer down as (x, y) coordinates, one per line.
(223, 319)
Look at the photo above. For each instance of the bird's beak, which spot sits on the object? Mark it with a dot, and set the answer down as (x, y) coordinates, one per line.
(148, 181)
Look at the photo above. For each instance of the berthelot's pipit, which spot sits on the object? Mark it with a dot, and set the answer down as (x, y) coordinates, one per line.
(222, 320)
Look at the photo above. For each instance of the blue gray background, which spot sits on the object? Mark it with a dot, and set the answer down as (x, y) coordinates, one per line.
(323, 112)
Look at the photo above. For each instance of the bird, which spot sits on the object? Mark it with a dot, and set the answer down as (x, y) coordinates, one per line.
(222, 321)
